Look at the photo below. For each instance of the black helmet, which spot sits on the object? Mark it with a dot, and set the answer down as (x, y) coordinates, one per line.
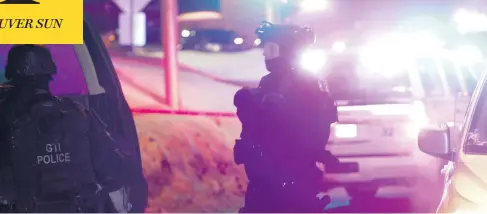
(286, 34)
(29, 60)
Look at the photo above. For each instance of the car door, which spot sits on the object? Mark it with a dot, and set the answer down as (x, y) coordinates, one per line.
(473, 112)
(115, 113)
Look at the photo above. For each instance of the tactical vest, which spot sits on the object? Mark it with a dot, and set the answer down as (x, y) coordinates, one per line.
(285, 123)
(50, 154)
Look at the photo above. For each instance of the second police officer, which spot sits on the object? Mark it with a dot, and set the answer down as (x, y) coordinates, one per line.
(285, 126)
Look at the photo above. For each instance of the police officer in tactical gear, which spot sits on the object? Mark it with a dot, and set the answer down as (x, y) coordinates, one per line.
(285, 126)
(56, 155)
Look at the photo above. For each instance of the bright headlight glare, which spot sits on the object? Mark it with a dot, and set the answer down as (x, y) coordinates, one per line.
(313, 60)
(339, 46)
(238, 41)
(418, 113)
(257, 42)
(185, 33)
(419, 119)
(398, 51)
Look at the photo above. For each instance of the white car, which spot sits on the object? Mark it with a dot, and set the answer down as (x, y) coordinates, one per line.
(382, 139)
(380, 116)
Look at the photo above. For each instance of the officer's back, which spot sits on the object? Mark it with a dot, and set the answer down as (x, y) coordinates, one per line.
(50, 153)
(295, 131)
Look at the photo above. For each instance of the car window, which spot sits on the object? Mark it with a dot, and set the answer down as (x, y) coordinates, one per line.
(476, 142)
(69, 79)
(471, 79)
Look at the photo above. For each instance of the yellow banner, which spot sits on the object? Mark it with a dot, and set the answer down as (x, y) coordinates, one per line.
(41, 21)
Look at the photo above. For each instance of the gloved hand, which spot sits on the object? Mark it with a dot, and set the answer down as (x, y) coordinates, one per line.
(120, 200)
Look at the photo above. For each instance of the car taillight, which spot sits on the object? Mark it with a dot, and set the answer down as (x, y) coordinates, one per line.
(345, 130)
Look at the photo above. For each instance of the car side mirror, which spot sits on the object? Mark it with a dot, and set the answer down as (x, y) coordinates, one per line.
(435, 141)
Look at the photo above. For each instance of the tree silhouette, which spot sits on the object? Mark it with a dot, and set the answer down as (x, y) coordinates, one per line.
(19, 2)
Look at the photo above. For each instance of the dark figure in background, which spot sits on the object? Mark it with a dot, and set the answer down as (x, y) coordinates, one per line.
(285, 127)
(56, 155)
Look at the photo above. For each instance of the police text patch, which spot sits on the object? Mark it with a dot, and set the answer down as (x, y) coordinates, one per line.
(54, 155)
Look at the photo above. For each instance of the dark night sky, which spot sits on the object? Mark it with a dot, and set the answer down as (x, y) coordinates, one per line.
(198, 5)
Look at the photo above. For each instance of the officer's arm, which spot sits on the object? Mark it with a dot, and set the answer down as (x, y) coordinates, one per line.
(110, 164)
(107, 159)
(243, 100)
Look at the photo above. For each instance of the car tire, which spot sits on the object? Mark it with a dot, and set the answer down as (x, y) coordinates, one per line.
(196, 47)
(361, 194)
(201, 46)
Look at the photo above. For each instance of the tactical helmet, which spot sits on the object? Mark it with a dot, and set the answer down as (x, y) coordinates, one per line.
(29, 61)
(286, 34)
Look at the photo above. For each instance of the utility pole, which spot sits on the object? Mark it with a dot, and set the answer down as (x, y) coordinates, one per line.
(170, 40)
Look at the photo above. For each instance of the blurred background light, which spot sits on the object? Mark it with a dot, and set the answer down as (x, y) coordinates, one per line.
(339, 46)
(314, 5)
(313, 60)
